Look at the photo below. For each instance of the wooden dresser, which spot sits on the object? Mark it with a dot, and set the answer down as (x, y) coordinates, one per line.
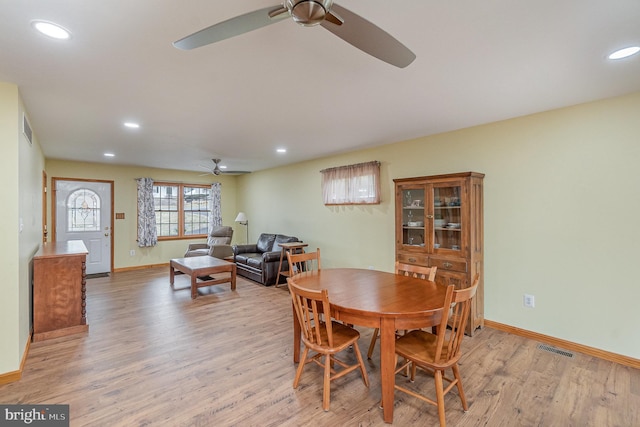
(59, 290)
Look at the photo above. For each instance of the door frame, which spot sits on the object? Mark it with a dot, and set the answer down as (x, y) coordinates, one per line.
(54, 180)
(45, 230)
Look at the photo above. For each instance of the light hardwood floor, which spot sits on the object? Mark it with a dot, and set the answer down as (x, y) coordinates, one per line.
(153, 356)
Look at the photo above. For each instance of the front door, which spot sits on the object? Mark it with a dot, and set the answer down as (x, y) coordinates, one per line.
(83, 212)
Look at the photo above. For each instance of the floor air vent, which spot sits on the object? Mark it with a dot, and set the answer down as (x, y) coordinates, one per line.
(555, 350)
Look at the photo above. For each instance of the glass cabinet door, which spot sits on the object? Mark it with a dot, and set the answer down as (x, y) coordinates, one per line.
(447, 218)
(413, 217)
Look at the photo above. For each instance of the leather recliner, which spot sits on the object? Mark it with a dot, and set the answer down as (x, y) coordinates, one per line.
(218, 244)
(260, 261)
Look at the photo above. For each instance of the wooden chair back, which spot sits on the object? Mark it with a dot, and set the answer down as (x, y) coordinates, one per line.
(418, 271)
(306, 261)
(454, 320)
(311, 308)
(425, 273)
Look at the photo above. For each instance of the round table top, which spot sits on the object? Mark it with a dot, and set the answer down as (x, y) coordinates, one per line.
(375, 293)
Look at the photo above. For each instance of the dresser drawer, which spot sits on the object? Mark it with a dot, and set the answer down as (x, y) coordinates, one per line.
(416, 259)
(448, 264)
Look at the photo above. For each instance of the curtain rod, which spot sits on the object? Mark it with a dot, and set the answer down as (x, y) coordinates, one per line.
(376, 162)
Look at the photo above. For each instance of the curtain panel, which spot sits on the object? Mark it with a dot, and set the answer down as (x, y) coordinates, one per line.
(147, 233)
(357, 184)
(215, 214)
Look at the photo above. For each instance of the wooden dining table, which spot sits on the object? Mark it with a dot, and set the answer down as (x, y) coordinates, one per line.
(376, 299)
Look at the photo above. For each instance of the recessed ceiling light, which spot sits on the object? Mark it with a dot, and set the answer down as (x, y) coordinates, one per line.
(132, 125)
(624, 53)
(109, 155)
(52, 30)
(281, 150)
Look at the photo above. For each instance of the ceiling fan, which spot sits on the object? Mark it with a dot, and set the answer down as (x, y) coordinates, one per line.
(345, 24)
(216, 170)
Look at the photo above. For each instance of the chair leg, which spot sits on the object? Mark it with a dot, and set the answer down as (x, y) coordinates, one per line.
(363, 370)
(456, 374)
(326, 388)
(374, 338)
(303, 361)
(440, 397)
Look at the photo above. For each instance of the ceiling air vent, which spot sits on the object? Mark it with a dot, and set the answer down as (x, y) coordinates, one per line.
(26, 129)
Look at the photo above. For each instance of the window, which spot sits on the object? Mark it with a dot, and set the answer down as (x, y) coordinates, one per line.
(83, 211)
(182, 210)
(352, 185)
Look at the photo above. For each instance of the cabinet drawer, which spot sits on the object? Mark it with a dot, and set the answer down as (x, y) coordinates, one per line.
(417, 259)
(446, 278)
(448, 264)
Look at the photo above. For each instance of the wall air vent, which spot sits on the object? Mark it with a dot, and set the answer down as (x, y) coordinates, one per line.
(26, 129)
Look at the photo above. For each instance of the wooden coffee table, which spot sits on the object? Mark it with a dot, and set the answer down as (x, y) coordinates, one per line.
(202, 266)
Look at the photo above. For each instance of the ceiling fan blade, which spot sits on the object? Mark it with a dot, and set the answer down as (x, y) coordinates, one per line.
(369, 38)
(233, 27)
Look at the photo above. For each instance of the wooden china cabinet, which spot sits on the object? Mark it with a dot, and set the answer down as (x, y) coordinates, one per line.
(439, 222)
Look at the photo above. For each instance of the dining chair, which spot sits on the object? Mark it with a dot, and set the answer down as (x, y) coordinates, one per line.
(303, 261)
(323, 338)
(435, 353)
(421, 272)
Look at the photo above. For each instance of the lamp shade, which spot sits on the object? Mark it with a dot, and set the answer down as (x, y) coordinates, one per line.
(242, 217)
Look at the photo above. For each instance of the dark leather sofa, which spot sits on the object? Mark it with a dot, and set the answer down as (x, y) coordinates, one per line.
(259, 262)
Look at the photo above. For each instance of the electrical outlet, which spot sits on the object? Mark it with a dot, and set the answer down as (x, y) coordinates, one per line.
(132, 252)
(529, 301)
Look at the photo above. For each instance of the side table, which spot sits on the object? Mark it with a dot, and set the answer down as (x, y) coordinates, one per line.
(292, 247)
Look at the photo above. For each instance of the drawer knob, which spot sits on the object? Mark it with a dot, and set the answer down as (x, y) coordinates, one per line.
(448, 265)
(412, 260)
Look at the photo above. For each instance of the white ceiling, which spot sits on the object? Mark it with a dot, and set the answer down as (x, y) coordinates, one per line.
(300, 88)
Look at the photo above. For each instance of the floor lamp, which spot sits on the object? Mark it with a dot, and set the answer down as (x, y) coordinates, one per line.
(242, 219)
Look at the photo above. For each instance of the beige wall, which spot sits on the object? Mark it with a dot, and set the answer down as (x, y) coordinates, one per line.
(561, 209)
(20, 171)
(560, 202)
(31, 167)
(125, 201)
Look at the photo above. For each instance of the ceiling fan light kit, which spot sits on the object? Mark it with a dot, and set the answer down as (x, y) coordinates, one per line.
(343, 23)
(308, 12)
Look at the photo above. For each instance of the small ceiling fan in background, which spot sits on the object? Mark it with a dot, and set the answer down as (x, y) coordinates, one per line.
(343, 23)
(217, 170)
